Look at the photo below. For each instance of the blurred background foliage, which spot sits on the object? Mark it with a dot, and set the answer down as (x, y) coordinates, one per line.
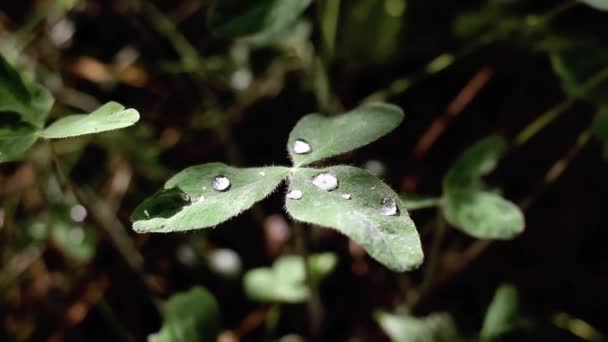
(226, 81)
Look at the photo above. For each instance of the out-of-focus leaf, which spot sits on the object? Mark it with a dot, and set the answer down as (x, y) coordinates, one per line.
(484, 215)
(467, 206)
(363, 208)
(108, 117)
(77, 241)
(437, 327)
(414, 202)
(254, 19)
(328, 137)
(15, 140)
(576, 65)
(285, 281)
(503, 313)
(600, 129)
(188, 317)
(31, 101)
(601, 5)
(189, 200)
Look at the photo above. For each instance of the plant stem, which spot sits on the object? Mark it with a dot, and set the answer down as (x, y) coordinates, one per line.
(272, 319)
(315, 310)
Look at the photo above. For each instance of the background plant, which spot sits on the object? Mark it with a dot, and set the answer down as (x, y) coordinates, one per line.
(220, 81)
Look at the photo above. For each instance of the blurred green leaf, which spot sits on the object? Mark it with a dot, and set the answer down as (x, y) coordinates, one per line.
(77, 241)
(600, 129)
(476, 162)
(601, 5)
(467, 206)
(484, 215)
(108, 117)
(578, 64)
(503, 313)
(31, 101)
(332, 136)
(414, 202)
(364, 209)
(15, 140)
(437, 327)
(286, 280)
(190, 316)
(254, 19)
(189, 200)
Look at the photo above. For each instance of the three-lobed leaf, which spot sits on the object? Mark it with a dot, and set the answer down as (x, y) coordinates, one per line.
(189, 316)
(189, 200)
(110, 116)
(360, 208)
(467, 206)
(285, 280)
(330, 136)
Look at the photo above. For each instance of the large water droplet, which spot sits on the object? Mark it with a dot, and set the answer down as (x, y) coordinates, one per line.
(388, 207)
(295, 194)
(325, 181)
(221, 183)
(345, 195)
(301, 147)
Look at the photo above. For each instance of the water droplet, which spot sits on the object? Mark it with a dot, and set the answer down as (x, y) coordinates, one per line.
(301, 147)
(373, 188)
(317, 203)
(185, 196)
(295, 194)
(345, 195)
(147, 213)
(221, 183)
(262, 173)
(200, 199)
(388, 207)
(325, 181)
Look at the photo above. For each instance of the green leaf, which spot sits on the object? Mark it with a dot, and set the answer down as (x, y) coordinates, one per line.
(285, 281)
(436, 327)
(332, 136)
(600, 129)
(476, 162)
(415, 202)
(484, 215)
(76, 241)
(188, 317)
(503, 313)
(254, 19)
(601, 5)
(108, 117)
(15, 140)
(30, 100)
(373, 216)
(189, 200)
(576, 65)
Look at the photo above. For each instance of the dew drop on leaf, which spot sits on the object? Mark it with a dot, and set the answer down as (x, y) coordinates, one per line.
(147, 214)
(200, 199)
(295, 194)
(345, 195)
(221, 183)
(262, 173)
(388, 207)
(301, 147)
(325, 181)
(185, 196)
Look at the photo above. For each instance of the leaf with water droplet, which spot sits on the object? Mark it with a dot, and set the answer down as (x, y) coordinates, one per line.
(193, 315)
(260, 20)
(108, 117)
(484, 215)
(285, 280)
(330, 136)
(390, 239)
(436, 327)
(31, 101)
(246, 188)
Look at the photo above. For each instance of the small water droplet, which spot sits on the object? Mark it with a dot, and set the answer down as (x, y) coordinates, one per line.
(262, 173)
(325, 181)
(295, 194)
(147, 213)
(345, 195)
(388, 207)
(200, 199)
(301, 147)
(317, 203)
(373, 188)
(221, 183)
(185, 196)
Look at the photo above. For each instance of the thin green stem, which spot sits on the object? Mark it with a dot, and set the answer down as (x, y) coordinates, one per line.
(315, 310)
(272, 320)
